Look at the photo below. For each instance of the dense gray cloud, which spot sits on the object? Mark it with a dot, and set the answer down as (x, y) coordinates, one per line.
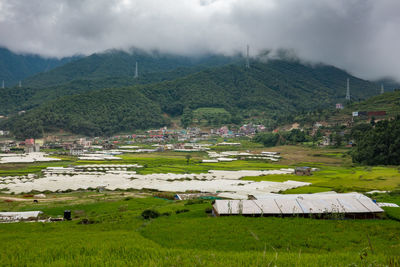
(361, 36)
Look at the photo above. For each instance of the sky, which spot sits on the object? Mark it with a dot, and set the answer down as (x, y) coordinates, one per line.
(361, 36)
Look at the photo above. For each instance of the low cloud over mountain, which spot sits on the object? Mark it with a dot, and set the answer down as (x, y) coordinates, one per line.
(358, 35)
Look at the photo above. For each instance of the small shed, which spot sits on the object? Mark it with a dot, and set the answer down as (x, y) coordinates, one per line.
(302, 171)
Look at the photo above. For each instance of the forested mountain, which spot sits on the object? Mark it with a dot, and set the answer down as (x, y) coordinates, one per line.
(276, 86)
(104, 70)
(16, 99)
(269, 90)
(94, 113)
(116, 63)
(14, 67)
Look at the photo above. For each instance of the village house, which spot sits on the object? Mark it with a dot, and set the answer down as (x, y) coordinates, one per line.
(302, 171)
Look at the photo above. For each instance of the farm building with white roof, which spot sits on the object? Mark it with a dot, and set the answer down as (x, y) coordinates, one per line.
(348, 204)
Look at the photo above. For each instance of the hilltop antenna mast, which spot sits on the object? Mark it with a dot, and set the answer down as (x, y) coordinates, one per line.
(348, 90)
(136, 71)
(382, 89)
(247, 58)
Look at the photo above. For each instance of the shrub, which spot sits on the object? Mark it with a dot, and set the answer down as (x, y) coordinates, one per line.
(208, 210)
(194, 201)
(150, 214)
(87, 221)
(165, 195)
(181, 211)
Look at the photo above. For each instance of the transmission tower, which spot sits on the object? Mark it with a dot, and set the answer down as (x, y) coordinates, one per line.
(348, 90)
(136, 71)
(382, 89)
(247, 58)
(2, 85)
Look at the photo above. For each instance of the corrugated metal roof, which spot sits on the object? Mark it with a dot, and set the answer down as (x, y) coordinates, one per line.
(299, 204)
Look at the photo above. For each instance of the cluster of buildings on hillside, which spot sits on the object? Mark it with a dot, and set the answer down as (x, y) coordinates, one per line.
(180, 136)
(163, 135)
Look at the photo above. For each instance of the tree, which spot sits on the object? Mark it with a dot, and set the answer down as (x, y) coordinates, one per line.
(187, 117)
(267, 139)
(359, 130)
(379, 145)
(188, 157)
(372, 122)
(337, 139)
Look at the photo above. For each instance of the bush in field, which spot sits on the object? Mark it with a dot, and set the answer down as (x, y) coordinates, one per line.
(87, 221)
(267, 139)
(150, 214)
(169, 196)
(194, 201)
(181, 211)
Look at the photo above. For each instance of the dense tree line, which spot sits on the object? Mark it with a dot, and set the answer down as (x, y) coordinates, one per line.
(292, 137)
(378, 145)
(93, 114)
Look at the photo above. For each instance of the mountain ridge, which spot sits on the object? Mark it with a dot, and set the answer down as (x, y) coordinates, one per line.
(17, 67)
(273, 91)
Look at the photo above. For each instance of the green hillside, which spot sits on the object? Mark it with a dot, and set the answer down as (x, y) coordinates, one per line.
(116, 63)
(389, 102)
(14, 67)
(272, 91)
(277, 86)
(93, 113)
(106, 70)
(15, 99)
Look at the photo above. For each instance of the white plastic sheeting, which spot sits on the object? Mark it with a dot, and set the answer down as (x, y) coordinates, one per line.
(26, 158)
(299, 204)
(383, 204)
(211, 182)
(24, 215)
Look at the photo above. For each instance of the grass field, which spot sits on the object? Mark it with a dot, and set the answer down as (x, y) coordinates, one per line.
(119, 236)
(342, 179)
